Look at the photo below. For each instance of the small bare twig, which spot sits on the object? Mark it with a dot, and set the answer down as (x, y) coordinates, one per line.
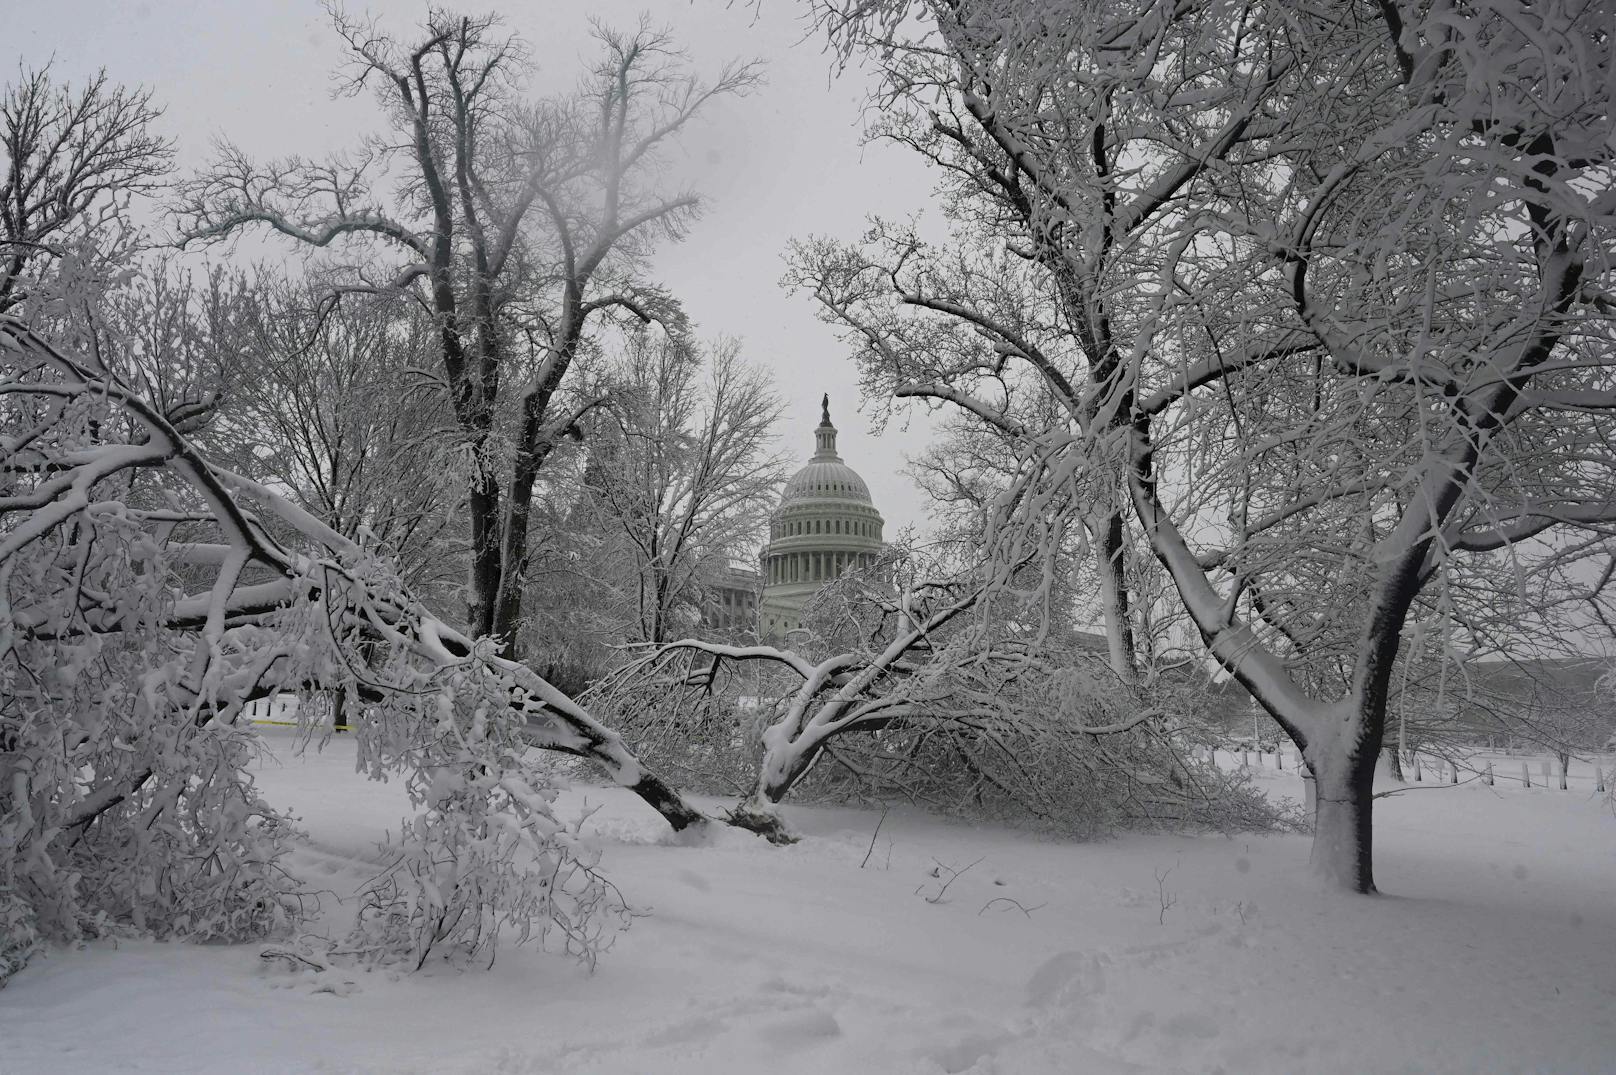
(953, 875)
(1013, 903)
(1167, 899)
(873, 835)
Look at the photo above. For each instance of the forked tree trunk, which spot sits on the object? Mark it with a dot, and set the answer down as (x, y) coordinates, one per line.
(779, 770)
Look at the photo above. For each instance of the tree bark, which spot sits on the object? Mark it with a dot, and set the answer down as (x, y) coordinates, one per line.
(667, 802)
(757, 814)
(1110, 553)
(1344, 789)
(1342, 833)
(485, 554)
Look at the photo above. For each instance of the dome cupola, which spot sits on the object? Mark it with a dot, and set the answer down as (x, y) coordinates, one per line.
(825, 433)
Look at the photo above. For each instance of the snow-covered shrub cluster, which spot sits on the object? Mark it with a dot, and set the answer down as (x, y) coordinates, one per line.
(1033, 762)
(709, 738)
(148, 597)
(956, 690)
(485, 854)
(124, 800)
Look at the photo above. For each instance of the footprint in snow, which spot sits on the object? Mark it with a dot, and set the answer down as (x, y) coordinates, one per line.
(778, 984)
(694, 880)
(803, 1029)
(1190, 1025)
(967, 1053)
(1066, 977)
(686, 1031)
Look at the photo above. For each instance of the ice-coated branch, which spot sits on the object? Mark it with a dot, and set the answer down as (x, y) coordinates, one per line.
(331, 572)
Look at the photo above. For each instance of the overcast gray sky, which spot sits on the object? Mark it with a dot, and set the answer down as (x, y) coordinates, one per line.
(786, 161)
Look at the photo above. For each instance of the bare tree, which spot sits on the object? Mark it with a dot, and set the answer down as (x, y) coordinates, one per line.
(515, 228)
(1323, 394)
(1459, 401)
(71, 160)
(680, 476)
(139, 622)
(337, 408)
(1022, 319)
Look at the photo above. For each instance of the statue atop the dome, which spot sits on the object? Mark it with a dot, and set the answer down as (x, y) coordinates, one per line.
(825, 435)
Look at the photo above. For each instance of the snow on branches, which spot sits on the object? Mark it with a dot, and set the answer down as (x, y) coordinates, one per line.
(946, 679)
(1334, 286)
(147, 597)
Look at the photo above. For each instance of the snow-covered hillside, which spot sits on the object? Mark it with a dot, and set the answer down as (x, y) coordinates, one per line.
(1493, 950)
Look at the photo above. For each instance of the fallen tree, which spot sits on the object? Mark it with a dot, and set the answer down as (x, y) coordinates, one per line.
(147, 597)
(943, 684)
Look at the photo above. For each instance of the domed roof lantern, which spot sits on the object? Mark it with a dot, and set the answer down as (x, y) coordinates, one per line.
(825, 434)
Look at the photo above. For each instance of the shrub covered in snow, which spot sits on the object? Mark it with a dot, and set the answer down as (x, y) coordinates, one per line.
(124, 800)
(950, 690)
(485, 854)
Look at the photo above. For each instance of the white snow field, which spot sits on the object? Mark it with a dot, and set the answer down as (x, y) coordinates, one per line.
(1494, 949)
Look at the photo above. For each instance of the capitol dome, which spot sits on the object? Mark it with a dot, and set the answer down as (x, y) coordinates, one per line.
(825, 525)
(826, 478)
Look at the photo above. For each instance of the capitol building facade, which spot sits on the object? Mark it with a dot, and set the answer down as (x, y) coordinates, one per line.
(824, 525)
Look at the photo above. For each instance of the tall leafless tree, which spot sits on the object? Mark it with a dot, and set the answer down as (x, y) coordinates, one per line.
(336, 407)
(680, 479)
(1362, 330)
(72, 157)
(514, 226)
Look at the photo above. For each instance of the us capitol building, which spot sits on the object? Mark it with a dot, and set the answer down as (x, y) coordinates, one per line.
(825, 524)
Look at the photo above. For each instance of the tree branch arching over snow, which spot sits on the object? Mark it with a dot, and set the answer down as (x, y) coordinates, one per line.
(135, 631)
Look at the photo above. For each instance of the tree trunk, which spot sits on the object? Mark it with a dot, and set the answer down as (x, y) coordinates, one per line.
(1109, 553)
(756, 813)
(485, 554)
(510, 559)
(777, 775)
(1343, 844)
(667, 802)
(1394, 763)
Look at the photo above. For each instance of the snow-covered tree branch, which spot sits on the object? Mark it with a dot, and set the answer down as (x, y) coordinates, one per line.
(518, 227)
(1321, 395)
(149, 597)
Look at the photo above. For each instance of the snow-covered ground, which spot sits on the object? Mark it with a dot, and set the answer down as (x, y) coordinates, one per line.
(1493, 950)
